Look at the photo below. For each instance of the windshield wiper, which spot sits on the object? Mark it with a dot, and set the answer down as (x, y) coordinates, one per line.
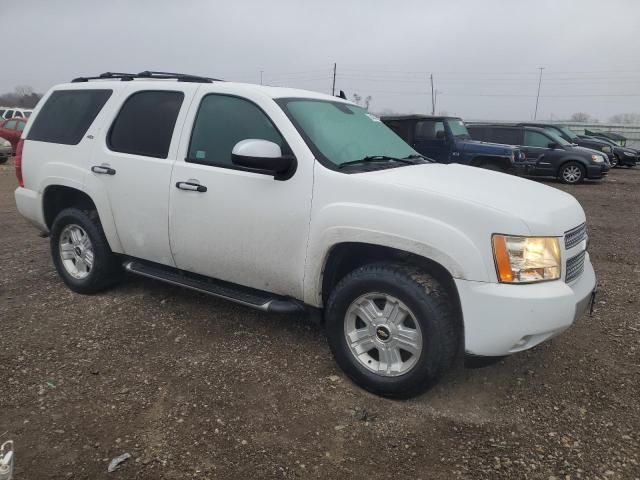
(418, 156)
(410, 160)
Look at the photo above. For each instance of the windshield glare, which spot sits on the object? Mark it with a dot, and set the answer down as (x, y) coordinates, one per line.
(557, 138)
(568, 133)
(339, 132)
(458, 128)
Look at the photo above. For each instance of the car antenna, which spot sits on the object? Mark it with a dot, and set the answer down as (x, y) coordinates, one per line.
(342, 95)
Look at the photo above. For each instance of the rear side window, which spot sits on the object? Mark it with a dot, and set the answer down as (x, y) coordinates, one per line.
(67, 115)
(21, 126)
(145, 124)
(508, 136)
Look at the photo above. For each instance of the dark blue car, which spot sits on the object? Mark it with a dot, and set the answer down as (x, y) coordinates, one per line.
(446, 140)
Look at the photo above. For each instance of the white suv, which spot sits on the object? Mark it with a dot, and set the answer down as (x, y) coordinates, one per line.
(10, 112)
(288, 200)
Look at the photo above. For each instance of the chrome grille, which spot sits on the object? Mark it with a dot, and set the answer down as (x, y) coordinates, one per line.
(574, 236)
(575, 267)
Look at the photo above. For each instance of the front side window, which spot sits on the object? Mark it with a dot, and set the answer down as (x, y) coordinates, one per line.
(458, 128)
(67, 115)
(536, 139)
(18, 115)
(338, 132)
(11, 124)
(223, 121)
(21, 126)
(144, 126)
(427, 130)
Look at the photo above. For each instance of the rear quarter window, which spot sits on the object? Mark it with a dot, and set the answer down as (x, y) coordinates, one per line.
(67, 115)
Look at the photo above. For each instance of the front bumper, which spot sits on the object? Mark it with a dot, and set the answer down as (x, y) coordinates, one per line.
(501, 319)
(597, 171)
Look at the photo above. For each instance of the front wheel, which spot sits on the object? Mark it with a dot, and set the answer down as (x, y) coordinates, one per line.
(571, 173)
(81, 253)
(392, 329)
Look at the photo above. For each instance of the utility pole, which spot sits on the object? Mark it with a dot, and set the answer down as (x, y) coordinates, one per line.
(333, 88)
(535, 114)
(261, 72)
(433, 97)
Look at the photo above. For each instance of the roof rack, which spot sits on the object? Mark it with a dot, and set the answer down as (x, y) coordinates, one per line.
(126, 77)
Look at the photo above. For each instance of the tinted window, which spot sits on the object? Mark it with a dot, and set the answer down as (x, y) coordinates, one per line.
(18, 115)
(145, 124)
(67, 115)
(2, 113)
(507, 136)
(9, 114)
(10, 125)
(477, 133)
(223, 121)
(27, 114)
(21, 126)
(536, 139)
(428, 129)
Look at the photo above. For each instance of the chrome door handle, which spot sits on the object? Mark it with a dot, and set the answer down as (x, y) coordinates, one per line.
(192, 187)
(101, 169)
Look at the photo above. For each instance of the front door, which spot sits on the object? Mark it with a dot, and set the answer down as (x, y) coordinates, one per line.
(536, 150)
(430, 139)
(242, 227)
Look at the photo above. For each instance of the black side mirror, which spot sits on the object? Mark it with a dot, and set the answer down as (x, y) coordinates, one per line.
(441, 135)
(265, 157)
(552, 145)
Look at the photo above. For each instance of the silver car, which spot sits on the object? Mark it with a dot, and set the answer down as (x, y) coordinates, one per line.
(5, 150)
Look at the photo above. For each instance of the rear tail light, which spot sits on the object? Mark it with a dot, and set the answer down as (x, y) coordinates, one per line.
(18, 160)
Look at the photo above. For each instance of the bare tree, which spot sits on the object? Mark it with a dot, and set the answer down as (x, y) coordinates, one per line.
(626, 118)
(365, 102)
(23, 96)
(582, 117)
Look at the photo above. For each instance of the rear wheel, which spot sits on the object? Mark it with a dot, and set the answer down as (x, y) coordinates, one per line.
(81, 253)
(571, 173)
(392, 329)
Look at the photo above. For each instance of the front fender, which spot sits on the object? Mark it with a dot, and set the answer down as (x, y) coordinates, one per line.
(427, 237)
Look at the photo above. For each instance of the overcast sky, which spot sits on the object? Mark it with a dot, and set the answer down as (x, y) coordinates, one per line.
(484, 54)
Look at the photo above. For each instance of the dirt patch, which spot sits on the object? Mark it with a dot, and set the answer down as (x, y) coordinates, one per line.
(194, 387)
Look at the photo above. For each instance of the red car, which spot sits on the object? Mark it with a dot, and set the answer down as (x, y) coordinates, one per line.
(11, 130)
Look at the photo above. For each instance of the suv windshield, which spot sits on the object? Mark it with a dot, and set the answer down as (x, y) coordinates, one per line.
(458, 128)
(338, 132)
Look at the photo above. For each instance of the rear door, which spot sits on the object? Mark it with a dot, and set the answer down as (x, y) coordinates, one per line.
(133, 166)
(429, 142)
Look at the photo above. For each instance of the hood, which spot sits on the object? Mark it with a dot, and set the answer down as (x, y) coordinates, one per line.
(544, 210)
(631, 151)
(485, 147)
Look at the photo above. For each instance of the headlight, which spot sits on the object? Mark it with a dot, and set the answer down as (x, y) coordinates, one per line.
(606, 149)
(597, 158)
(526, 259)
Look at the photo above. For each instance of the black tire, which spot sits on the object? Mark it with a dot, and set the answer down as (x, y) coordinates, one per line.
(563, 173)
(106, 270)
(432, 309)
(3, 160)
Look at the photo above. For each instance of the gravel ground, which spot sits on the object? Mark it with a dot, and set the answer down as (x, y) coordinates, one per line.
(195, 387)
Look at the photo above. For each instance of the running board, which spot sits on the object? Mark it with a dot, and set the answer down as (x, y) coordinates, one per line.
(235, 293)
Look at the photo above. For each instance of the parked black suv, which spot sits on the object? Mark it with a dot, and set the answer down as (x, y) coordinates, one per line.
(567, 134)
(547, 154)
(446, 140)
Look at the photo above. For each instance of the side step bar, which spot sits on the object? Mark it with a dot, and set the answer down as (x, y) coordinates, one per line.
(236, 293)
